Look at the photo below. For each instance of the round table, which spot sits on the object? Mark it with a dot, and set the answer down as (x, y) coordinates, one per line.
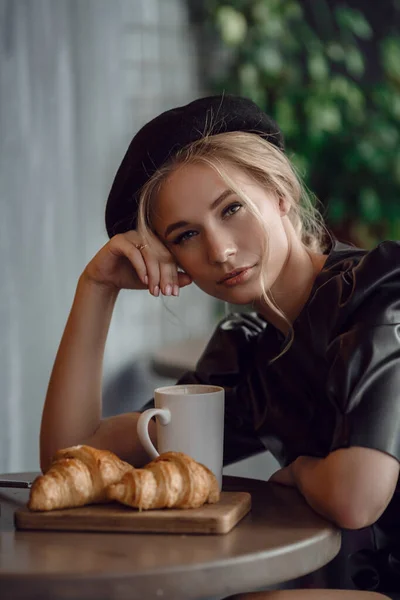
(280, 539)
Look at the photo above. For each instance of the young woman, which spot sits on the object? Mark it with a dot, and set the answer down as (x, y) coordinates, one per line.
(206, 194)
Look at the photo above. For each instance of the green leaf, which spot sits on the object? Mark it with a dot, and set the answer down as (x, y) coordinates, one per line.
(370, 205)
(373, 157)
(260, 11)
(232, 25)
(390, 53)
(354, 62)
(366, 150)
(269, 60)
(339, 86)
(293, 10)
(285, 116)
(349, 92)
(323, 116)
(335, 51)
(354, 21)
(318, 67)
(356, 98)
(387, 99)
(387, 135)
(248, 75)
(273, 28)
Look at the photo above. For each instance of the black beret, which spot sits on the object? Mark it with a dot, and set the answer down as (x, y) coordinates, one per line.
(171, 131)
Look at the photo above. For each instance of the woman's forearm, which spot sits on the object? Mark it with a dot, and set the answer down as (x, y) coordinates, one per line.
(72, 410)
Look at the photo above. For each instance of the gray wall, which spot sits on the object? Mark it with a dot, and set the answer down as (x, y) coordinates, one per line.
(77, 79)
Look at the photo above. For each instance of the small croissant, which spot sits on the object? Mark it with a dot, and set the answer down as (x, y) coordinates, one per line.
(172, 480)
(78, 475)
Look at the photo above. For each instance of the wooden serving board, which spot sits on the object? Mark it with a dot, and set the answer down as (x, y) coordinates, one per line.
(209, 518)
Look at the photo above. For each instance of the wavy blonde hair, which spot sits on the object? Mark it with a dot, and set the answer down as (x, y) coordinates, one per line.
(266, 165)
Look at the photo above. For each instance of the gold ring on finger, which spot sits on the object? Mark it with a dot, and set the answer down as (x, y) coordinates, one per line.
(140, 247)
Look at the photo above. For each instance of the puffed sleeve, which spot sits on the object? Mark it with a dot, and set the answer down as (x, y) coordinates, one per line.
(364, 379)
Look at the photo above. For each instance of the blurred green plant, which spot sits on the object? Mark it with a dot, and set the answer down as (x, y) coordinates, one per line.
(303, 63)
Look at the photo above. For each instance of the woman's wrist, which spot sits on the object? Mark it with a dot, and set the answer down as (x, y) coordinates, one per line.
(89, 285)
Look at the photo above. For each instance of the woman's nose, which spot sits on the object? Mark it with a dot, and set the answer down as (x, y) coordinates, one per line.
(220, 250)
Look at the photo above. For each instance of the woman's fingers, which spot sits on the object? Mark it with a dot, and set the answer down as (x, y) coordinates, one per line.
(120, 245)
(149, 271)
(155, 266)
(153, 270)
(169, 283)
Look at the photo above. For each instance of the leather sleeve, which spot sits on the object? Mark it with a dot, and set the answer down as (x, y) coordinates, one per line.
(364, 385)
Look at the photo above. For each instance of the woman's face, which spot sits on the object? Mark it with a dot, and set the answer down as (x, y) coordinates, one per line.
(214, 237)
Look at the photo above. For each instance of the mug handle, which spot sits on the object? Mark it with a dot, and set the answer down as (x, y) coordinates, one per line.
(143, 428)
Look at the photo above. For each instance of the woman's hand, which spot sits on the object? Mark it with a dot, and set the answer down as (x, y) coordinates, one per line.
(125, 262)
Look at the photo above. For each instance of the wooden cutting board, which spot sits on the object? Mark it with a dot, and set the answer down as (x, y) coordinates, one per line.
(210, 518)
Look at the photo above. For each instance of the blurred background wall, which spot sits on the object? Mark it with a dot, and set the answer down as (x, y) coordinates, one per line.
(77, 79)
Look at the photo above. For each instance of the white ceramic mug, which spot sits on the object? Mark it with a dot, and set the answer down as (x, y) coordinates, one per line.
(190, 419)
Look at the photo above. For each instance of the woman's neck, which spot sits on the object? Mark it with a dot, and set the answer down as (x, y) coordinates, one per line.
(293, 286)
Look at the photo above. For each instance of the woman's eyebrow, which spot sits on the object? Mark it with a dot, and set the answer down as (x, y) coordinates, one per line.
(213, 206)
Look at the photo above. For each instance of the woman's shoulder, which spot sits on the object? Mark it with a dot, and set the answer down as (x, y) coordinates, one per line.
(343, 257)
(362, 283)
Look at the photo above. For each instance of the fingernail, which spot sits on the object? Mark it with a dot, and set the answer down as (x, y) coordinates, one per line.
(168, 290)
(146, 280)
(176, 290)
(156, 291)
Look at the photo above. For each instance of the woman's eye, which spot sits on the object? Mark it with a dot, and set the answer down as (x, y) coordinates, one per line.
(184, 237)
(232, 209)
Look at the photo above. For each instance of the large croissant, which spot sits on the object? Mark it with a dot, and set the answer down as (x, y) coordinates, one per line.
(78, 475)
(172, 480)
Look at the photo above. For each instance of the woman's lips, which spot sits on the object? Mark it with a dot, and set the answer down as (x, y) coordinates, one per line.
(241, 277)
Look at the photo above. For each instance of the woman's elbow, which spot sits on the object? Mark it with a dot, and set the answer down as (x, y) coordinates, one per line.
(350, 514)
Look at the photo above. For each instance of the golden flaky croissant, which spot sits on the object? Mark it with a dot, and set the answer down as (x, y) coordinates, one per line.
(78, 475)
(172, 480)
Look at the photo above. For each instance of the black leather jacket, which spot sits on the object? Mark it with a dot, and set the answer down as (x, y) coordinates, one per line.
(337, 386)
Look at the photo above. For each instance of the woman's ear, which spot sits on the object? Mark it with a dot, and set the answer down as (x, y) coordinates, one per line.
(284, 205)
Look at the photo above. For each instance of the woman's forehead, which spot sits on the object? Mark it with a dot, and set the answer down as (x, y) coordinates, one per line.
(198, 179)
(187, 192)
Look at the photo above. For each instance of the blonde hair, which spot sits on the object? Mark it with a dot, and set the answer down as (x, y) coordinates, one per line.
(265, 164)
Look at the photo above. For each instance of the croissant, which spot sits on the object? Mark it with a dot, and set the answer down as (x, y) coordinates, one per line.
(78, 475)
(172, 480)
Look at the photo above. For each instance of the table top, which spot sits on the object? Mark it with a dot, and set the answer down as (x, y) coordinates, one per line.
(280, 539)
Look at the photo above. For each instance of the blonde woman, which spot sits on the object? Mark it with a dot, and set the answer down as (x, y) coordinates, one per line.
(206, 195)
